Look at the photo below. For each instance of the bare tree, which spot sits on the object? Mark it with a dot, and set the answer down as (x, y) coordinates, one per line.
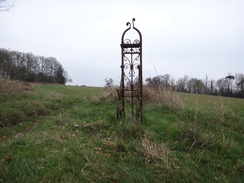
(166, 80)
(4, 63)
(196, 86)
(59, 75)
(6, 5)
(181, 84)
(230, 78)
(206, 84)
(109, 83)
(212, 84)
(239, 84)
(239, 81)
(222, 86)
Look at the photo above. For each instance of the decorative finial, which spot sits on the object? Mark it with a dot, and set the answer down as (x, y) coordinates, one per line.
(133, 20)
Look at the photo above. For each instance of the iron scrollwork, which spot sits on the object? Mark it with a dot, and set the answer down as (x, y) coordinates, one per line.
(130, 91)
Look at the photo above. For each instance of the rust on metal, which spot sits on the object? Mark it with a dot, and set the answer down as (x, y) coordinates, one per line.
(130, 90)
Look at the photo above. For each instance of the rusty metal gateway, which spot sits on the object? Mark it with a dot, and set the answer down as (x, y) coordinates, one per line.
(130, 91)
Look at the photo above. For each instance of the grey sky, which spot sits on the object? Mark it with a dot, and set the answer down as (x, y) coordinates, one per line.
(180, 37)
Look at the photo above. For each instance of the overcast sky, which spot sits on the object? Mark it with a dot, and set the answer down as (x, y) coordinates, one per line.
(180, 37)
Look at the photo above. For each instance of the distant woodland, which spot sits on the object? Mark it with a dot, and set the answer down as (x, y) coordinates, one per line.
(28, 67)
(231, 85)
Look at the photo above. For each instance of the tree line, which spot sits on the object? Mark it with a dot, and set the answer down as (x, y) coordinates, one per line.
(231, 85)
(28, 67)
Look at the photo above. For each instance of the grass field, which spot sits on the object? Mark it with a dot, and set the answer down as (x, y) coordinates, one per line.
(235, 104)
(58, 133)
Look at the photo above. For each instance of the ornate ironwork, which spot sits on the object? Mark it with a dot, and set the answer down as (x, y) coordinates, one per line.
(130, 91)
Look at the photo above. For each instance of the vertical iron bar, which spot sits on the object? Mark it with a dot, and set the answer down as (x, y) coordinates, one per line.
(141, 82)
(132, 83)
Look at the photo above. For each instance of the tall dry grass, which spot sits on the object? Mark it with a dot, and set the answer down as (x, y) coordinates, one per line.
(151, 95)
(110, 94)
(158, 152)
(162, 95)
(8, 86)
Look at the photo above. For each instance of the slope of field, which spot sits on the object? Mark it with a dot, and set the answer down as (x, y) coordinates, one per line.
(236, 104)
(58, 133)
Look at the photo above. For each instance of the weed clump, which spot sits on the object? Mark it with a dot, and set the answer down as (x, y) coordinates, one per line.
(154, 152)
(129, 129)
(194, 136)
(222, 113)
(95, 126)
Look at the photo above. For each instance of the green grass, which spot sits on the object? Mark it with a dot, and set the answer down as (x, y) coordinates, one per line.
(68, 134)
(235, 104)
